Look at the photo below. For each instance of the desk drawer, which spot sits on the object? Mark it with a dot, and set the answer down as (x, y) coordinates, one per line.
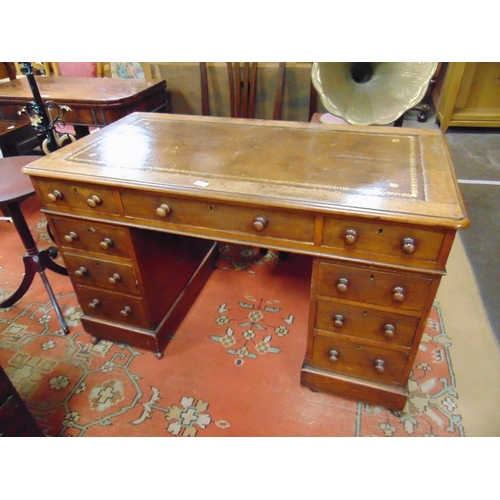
(348, 356)
(405, 244)
(387, 289)
(367, 323)
(94, 237)
(258, 221)
(113, 306)
(67, 195)
(101, 273)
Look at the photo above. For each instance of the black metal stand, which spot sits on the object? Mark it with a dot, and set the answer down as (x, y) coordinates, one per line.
(39, 114)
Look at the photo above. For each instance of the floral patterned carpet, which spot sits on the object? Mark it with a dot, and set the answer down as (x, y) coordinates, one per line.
(232, 368)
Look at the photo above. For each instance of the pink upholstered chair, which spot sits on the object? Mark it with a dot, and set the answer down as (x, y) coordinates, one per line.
(81, 69)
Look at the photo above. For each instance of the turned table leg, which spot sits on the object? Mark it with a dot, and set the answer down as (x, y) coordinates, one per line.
(35, 261)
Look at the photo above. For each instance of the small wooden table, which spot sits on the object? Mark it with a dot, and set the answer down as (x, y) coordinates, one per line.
(15, 188)
(94, 102)
(377, 208)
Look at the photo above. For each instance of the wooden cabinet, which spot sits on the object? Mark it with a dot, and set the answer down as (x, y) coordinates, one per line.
(135, 209)
(468, 95)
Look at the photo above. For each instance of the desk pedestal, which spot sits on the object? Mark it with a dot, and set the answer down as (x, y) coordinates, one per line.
(134, 286)
(157, 339)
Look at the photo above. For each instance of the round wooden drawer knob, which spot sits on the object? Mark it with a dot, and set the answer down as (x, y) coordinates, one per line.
(106, 243)
(380, 365)
(69, 238)
(333, 355)
(389, 331)
(350, 237)
(398, 294)
(94, 304)
(409, 246)
(259, 224)
(114, 279)
(126, 311)
(343, 285)
(338, 321)
(55, 196)
(81, 272)
(163, 210)
(94, 201)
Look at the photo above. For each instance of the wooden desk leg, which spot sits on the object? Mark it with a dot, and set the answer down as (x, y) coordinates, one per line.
(35, 261)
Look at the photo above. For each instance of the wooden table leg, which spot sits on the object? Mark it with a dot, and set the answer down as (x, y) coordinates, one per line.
(35, 261)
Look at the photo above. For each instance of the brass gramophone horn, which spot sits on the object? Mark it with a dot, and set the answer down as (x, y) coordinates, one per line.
(372, 93)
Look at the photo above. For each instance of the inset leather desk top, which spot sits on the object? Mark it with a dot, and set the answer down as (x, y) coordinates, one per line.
(388, 173)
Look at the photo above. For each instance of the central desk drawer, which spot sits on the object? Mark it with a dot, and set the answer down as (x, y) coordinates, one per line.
(92, 236)
(101, 273)
(257, 221)
(356, 284)
(113, 306)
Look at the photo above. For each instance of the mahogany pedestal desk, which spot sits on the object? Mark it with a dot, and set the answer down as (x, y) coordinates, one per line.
(136, 207)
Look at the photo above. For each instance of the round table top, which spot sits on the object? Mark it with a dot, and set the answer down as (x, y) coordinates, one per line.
(14, 185)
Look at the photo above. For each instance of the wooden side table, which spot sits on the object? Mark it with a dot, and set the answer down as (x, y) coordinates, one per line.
(15, 188)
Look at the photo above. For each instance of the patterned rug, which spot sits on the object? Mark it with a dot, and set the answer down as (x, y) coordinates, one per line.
(232, 368)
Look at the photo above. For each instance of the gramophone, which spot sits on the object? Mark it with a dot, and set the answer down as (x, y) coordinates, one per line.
(371, 93)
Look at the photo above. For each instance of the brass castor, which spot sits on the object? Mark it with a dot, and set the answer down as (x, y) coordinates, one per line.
(95, 340)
